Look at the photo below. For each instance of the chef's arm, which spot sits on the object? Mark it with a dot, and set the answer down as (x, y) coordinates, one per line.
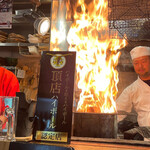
(124, 105)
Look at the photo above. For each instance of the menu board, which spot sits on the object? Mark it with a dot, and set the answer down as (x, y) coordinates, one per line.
(53, 119)
(6, 14)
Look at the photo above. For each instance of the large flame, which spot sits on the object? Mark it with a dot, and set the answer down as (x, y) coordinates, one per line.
(97, 56)
(58, 25)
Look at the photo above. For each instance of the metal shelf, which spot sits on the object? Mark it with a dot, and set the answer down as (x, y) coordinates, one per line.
(29, 2)
(23, 44)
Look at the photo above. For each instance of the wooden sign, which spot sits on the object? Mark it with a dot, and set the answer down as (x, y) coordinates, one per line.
(55, 97)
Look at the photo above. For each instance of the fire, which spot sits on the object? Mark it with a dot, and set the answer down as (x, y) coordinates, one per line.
(58, 28)
(57, 37)
(97, 56)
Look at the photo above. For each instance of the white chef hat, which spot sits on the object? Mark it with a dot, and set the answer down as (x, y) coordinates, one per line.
(140, 51)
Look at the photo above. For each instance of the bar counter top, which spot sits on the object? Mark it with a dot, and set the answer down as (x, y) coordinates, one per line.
(78, 143)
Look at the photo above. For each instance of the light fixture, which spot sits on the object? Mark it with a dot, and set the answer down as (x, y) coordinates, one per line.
(40, 22)
(42, 25)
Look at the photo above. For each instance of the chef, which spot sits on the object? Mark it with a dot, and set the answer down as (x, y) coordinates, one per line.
(137, 95)
(9, 85)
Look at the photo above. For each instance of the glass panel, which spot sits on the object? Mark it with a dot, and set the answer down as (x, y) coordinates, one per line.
(8, 117)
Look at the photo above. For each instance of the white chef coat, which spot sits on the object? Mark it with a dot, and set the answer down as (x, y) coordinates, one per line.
(136, 95)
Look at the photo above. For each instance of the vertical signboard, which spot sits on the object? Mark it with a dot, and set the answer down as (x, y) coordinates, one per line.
(55, 97)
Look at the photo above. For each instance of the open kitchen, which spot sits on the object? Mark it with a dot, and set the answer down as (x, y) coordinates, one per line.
(75, 74)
